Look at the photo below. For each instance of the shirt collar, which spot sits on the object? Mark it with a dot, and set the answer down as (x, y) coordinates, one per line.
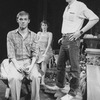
(17, 31)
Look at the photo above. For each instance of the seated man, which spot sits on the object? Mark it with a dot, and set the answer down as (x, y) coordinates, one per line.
(21, 49)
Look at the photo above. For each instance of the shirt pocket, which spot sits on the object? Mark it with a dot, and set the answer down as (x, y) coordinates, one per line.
(71, 16)
(17, 45)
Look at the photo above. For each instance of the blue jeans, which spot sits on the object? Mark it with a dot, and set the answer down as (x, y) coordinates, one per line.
(69, 50)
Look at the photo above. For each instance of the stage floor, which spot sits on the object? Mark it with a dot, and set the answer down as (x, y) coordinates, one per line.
(43, 96)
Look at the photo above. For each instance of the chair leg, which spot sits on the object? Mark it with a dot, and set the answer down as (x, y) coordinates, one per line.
(7, 92)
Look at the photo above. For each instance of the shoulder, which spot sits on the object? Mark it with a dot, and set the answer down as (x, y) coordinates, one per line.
(49, 33)
(11, 33)
(81, 4)
(33, 33)
(38, 33)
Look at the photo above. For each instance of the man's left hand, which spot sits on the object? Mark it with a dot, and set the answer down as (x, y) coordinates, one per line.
(74, 36)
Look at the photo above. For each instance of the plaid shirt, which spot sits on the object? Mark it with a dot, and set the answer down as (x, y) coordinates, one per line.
(20, 48)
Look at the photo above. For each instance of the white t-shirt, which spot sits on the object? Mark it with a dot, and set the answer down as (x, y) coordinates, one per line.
(74, 16)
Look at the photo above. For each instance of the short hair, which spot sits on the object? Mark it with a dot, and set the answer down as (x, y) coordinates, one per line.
(45, 22)
(22, 13)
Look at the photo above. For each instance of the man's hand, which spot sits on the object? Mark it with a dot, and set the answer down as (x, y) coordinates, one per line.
(17, 66)
(60, 40)
(19, 69)
(28, 69)
(74, 36)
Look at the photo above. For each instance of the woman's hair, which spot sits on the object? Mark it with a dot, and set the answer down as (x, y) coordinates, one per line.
(45, 22)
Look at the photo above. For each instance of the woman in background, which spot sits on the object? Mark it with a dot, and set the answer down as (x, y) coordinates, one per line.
(44, 40)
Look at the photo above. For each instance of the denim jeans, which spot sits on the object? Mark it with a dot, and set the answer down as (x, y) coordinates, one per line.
(69, 50)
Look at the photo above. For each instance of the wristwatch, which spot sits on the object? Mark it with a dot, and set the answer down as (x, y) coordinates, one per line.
(81, 32)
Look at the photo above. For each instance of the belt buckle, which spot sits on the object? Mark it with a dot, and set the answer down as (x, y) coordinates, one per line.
(67, 34)
(64, 35)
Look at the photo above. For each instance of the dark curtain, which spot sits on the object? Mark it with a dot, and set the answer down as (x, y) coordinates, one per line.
(51, 10)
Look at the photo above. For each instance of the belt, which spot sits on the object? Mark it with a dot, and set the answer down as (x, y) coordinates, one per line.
(67, 34)
(23, 59)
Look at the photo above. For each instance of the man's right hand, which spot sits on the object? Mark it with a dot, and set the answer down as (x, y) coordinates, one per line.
(17, 66)
(20, 70)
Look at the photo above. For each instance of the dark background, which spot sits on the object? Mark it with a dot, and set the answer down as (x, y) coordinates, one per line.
(51, 10)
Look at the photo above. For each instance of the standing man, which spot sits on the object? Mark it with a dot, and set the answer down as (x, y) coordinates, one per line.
(74, 15)
(21, 48)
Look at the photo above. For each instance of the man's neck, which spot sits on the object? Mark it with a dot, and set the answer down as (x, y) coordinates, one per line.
(23, 30)
(71, 2)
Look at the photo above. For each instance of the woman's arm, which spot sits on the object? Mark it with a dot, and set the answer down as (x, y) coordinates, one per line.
(49, 42)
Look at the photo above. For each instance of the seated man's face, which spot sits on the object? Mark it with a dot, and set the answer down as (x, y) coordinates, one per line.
(23, 21)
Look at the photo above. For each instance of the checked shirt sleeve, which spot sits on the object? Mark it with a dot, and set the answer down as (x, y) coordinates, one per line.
(10, 46)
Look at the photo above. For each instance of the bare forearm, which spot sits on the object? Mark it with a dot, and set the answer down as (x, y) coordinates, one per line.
(49, 43)
(89, 25)
(47, 48)
(33, 62)
(15, 63)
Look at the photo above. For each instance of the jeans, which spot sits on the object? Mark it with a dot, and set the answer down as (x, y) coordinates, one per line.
(69, 50)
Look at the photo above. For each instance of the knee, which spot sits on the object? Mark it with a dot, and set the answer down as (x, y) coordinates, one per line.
(5, 63)
(34, 77)
(14, 78)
